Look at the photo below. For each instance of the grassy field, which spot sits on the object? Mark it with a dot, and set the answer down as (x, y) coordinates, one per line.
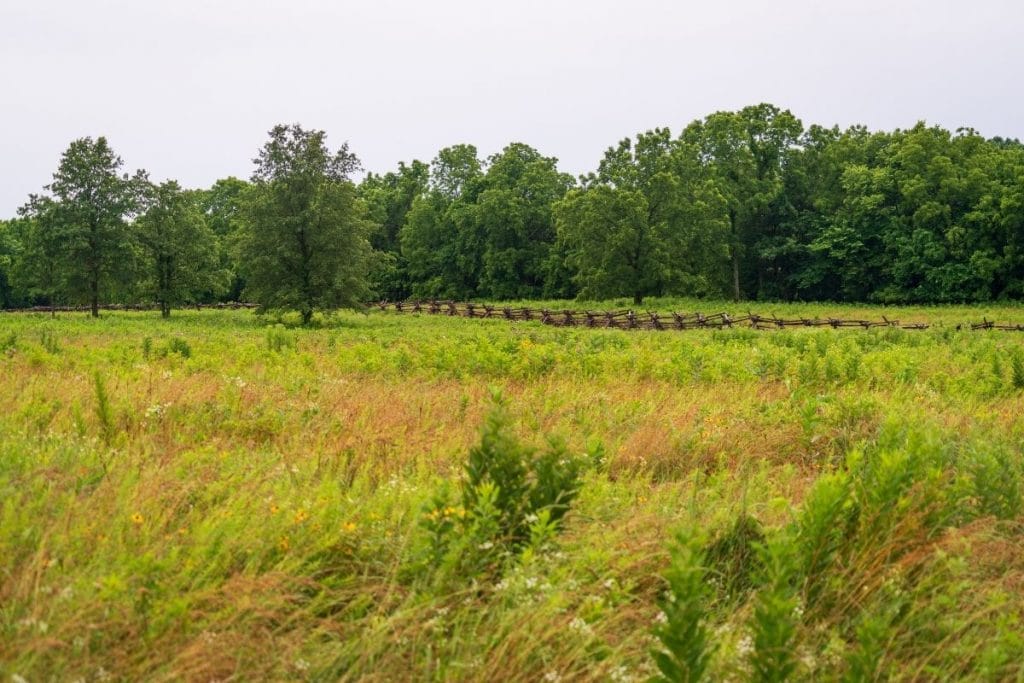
(401, 497)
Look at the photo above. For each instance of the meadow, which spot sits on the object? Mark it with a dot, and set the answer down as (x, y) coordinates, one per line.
(223, 496)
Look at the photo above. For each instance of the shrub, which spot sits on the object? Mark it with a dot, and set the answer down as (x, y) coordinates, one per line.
(514, 500)
(179, 346)
(279, 339)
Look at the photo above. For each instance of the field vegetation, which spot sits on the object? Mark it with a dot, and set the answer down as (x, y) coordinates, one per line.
(392, 497)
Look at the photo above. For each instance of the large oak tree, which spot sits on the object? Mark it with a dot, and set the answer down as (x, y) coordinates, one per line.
(303, 242)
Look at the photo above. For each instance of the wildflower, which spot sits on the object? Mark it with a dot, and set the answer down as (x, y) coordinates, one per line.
(349, 527)
(580, 625)
(486, 545)
(745, 646)
(552, 677)
(182, 531)
(620, 674)
(137, 519)
(301, 516)
(301, 665)
(284, 543)
(274, 509)
(157, 410)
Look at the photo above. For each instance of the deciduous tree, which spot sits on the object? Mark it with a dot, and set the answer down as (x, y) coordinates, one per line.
(303, 242)
(81, 235)
(180, 251)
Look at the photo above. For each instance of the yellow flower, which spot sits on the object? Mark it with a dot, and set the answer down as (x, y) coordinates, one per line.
(301, 516)
(274, 509)
(350, 527)
(137, 519)
(182, 531)
(284, 543)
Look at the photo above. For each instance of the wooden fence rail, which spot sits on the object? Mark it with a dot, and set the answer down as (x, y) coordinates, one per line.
(650, 320)
(623, 319)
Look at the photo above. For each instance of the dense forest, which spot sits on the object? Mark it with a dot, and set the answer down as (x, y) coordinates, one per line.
(747, 205)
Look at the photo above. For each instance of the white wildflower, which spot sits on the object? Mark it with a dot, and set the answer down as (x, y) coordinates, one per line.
(620, 674)
(486, 545)
(301, 665)
(580, 625)
(552, 677)
(745, 646)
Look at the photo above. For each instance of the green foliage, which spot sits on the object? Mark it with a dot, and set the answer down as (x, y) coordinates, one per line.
(80, 246)
(9, 343)
(48, 339)
(1017, 370)
(104, 411)
(645, 224)
(181, 250)
(303, 242)
(732, 557)
(513, 502)
(524, 482)
(221, 205)
(278, 338)
(179, 346)
(686, 642)
(775, 617)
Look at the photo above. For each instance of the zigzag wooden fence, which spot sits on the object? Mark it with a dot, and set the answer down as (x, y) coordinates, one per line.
(620, 319)
(650, 320)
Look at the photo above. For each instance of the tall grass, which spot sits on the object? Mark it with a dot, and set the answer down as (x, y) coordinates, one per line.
(349, 503)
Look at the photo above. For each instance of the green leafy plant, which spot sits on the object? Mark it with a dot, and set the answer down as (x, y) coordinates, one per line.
(686, 643)
(279, 339)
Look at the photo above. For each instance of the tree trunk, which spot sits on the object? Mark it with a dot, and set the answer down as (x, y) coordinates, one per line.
(638, 299)
(94, 286)
(165, 309)
(307, 315)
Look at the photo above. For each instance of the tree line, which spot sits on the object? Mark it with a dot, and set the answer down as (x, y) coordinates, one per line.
(747, 204)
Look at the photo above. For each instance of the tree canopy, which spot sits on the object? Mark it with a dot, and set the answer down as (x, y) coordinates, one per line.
(81, 242)
(303, 242)
(750, 204)
(180, 251)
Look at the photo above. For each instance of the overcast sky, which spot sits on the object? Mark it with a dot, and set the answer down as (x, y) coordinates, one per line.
(188, 88)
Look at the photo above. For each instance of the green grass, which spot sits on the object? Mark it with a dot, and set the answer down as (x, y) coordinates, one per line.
(220, 496)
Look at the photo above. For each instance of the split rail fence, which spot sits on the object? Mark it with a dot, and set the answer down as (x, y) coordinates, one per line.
(650, 320)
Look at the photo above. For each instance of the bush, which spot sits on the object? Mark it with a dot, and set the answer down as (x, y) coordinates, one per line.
(514, 498)
(279, 339)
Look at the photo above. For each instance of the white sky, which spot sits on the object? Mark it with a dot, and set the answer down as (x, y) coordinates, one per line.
(188, 88)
